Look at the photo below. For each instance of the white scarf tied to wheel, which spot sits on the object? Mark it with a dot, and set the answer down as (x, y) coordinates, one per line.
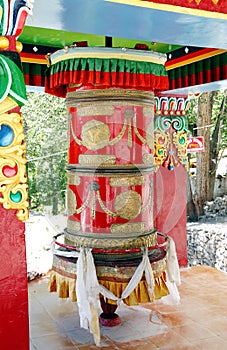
(87, 291)
(173, 274)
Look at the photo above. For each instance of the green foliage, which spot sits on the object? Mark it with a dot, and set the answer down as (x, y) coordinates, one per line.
(45, 127)
(218, 99)
(192, 117)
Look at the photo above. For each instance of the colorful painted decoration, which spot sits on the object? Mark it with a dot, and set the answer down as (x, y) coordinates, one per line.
(170, 132)
(13, 186)
(11, 82)
(13, 15)
(6, 135)
(170, 105)
(120, 68)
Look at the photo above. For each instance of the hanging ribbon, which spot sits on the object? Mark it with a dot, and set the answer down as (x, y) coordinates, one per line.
(87, 292)
(173, 274)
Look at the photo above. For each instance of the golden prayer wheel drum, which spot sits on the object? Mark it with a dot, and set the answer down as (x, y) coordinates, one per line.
(110, 109)
(110, 168)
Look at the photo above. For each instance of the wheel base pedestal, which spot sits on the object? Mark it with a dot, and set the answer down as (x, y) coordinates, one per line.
(109, 320)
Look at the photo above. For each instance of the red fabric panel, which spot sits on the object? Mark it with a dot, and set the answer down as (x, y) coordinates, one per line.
(56, 83)
(207, 5)
(35, 80)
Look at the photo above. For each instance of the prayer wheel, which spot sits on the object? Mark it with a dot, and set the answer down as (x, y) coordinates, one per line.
(110, 111)
(110, 169)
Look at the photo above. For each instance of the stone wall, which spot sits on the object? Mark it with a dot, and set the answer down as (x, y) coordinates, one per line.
(207, 239)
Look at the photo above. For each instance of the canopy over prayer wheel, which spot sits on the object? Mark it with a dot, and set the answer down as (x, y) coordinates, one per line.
(110, 233)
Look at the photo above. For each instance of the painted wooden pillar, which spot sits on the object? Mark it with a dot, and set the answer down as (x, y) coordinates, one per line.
(14, 330)
(171, 165)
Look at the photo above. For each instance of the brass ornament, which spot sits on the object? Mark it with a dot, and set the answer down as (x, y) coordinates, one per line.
(73, 225)
(13, 180)
(104, 208)
(73, 178)
(4, 42)
(138, 97)
(19, 46)
(130, 228)
(150, 134)
(107, 241)
(95, 109)
(148, 111)
(71, 201)
(95, 135)
(129, 180)
(97, 160)
(128, 204)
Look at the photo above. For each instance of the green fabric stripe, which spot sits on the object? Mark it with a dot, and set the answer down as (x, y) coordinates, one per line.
(108, 65)
(200, 66)
(25, 66)
(35, 69)
(223, 59)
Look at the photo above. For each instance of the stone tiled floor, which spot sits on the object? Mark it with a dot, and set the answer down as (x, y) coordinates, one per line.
(198, 322)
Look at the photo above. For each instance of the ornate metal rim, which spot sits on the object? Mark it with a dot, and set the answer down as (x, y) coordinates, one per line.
(116, 169)
(114, 95)
(115, 243)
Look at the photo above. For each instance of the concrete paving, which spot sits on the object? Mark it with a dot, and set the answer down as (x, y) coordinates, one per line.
(198, 322)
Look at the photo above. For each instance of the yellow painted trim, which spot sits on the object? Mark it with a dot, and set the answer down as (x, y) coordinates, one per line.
(194, 59)
(34, 60)
(171, 8)
(106, 55)
(7, 104)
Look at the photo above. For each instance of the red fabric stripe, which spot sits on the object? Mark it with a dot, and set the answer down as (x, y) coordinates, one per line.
(32, 79)
(192, 79)
(26, 79)
(189, 56)
(179, 82)
(199, 79)
(59, 81)
(35, 80)
(216, 73)
(31, 55)
(224, 72)
(207, 5)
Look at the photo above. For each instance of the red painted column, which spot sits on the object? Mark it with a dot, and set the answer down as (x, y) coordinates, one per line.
(14, 330)
(171, 168)
(14, 334)
(170, 208)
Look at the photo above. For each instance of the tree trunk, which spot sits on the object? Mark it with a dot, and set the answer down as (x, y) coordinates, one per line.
(54, 190)
(191, 210)
(204, 115)
(214, 148)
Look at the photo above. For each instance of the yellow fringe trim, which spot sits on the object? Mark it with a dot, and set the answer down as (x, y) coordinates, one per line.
(66, 288)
